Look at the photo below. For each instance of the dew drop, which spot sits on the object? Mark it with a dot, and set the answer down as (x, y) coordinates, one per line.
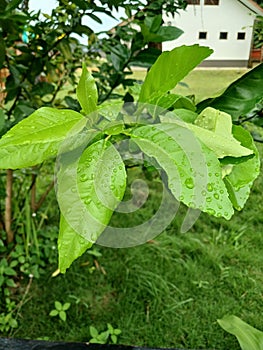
(87, 201)
(189, 183)
(209, 187)
(210, 211)
(83, 178)
(216, 195)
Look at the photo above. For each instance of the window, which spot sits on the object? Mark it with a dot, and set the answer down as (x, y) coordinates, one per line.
(202, 35)
(211, 2)
(169, 23)
(223, 35)
(241, 36)
(193, 2)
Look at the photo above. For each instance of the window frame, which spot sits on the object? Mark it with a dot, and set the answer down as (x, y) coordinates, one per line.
(193, 2)
(242, 34)
(223, 36)
(210, 2)
(200, 34)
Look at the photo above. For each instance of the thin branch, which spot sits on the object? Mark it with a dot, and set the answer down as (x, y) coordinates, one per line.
(44, 196)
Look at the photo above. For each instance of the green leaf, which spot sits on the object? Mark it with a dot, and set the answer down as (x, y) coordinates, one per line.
(103, 337)
(241, 96)
(167, 101)
(13, 4)
(145, 58)
(53, 313)
(193, 170)
(214, 129)
(110, 109)
(153, 22)
(70, 245)
(9, 271)
(37, 137)
(114, 338)
(248, 337)
(163, 34)
(43, 88)
(11, 283)
(170, 68)
(58, 305)
(110, 328)
(242, 175)
(66, 306)
(87, 91)
(13, 323)
(179, 114)
(99, 187)
(93, 332)
(62, 315)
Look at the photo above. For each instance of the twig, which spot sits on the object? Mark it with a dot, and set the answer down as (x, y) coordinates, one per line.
(44, 195)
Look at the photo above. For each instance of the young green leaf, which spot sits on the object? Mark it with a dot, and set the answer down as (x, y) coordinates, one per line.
(53, 313)
(214, 129)
(70, 245)
(193, 170)
(93, 332)
(87, 92)
(242, 175)
(169, 69)
(66, 306)
(241, 96)
(248, 337)
(58, 305)
(37, 137)
(62, 315)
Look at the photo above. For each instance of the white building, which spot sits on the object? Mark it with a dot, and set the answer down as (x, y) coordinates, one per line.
(224, 25)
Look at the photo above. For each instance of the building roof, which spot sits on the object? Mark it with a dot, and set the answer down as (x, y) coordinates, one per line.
(253, 6)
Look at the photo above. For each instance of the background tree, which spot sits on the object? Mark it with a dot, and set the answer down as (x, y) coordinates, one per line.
(39, 57)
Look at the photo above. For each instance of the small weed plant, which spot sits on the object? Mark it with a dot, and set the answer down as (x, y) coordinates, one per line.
(105, 337)
(60, 310)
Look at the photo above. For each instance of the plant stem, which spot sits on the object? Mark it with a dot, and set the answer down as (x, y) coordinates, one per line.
(8, 206)
(44, 195)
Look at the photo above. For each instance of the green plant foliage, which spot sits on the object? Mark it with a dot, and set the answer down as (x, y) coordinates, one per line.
(60, 310)
(241, 96)
(249, 337)
(70, 244)
(204, 158)
(96, 162)
(214, 129)
(87, 92)
(162, 78)
(105, 337)
(165, 142)
(153, 31)
(39, 135)
(240, 179)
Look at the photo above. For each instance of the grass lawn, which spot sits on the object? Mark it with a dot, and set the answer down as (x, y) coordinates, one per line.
(166, 293)
(203, 82)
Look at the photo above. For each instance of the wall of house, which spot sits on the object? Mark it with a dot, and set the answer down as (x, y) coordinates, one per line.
(230, 16)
